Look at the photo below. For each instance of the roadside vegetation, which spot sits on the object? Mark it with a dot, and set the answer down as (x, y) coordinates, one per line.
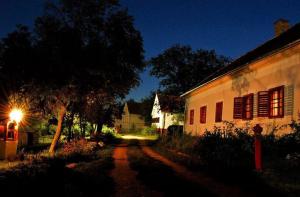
(79, 168)
(228, 155)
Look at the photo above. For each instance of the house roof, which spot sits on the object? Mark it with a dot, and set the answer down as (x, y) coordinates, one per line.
(135, 108)
(284, 39)
(169, 103)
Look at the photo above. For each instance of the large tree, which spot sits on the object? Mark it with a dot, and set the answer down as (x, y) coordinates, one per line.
(77, 48)
(179, 68)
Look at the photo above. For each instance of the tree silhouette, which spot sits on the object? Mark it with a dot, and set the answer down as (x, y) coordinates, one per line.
(179, 68)
(77, 48)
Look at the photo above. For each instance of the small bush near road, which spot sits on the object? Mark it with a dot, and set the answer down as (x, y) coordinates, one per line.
(149, 131)
(77, 150)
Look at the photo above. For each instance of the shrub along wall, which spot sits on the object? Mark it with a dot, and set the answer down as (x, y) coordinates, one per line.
(233, 148)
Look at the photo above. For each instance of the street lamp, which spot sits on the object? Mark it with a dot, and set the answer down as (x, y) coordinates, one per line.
(16, 115)
(8, 146)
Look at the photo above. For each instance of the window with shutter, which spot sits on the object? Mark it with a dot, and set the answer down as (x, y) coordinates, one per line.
(203, 114)
(238, 108)
(219, 111)
(155, 120)
(276, 102)
(191, 117)
(263, 104)
(248, 107)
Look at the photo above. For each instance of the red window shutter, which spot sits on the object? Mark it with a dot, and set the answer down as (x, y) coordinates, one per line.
(219, 111)
(2, 132)
(155, 120)
(251, 105)
(203, 114)
(191, 117)
(263, 104)
(238, 108)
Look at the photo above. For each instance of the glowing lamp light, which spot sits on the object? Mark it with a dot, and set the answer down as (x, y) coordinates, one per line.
(16, 115)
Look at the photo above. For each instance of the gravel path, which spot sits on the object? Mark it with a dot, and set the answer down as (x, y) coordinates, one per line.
(127, 184)
(213, 186)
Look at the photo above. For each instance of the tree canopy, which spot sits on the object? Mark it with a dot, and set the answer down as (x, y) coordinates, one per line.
(76, 51)
(179, 68)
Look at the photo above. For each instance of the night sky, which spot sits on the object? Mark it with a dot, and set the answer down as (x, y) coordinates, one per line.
(231, 27)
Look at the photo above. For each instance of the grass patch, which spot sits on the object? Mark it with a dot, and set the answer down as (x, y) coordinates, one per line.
(159, 177)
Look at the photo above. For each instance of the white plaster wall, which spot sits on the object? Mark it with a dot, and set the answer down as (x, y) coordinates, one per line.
(276, 70)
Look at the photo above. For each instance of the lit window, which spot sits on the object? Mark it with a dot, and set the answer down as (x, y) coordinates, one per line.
(276, 100)
(248, 107)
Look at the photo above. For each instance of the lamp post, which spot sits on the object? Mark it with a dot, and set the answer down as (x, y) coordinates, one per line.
(257, 146)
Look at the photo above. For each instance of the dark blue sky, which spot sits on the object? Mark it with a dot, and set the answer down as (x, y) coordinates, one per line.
(231, 27)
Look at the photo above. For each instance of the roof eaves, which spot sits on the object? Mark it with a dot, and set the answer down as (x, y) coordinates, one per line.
(241, 67)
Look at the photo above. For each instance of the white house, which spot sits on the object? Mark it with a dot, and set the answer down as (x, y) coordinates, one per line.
(165, 111)
(261, 87)
(132, 118)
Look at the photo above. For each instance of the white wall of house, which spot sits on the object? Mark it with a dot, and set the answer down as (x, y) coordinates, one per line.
(165, 118)
(279, 69)
(130, 121)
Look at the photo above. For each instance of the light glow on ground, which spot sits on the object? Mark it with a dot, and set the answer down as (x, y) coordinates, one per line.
(136, 137)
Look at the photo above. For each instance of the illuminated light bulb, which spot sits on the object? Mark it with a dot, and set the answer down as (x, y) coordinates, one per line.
(16, 115)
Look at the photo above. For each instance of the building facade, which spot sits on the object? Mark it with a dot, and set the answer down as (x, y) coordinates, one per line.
(263, 86)
(164, 112)
(132, 118)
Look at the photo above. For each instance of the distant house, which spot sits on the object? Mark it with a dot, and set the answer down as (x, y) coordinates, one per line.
(262, 86)
(132, 118)
(166, 111)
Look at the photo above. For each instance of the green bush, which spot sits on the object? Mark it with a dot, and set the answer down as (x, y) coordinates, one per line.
(282, 152)
(107, 135)
(233, 150)
(149, 131)
(232, 147)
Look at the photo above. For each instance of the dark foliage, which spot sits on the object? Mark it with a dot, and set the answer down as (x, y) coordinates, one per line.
(180, 68)
(147, 103)
(80, 53)
(51, 177)
(235, 150)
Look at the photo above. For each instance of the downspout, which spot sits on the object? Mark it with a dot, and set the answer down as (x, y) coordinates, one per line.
(184, 117)
(164, 123)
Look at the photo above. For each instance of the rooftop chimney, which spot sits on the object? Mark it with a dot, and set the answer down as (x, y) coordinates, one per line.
(280, 26)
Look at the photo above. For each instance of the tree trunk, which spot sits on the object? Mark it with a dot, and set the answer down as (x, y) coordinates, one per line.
(61, 116)
(82, 127)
